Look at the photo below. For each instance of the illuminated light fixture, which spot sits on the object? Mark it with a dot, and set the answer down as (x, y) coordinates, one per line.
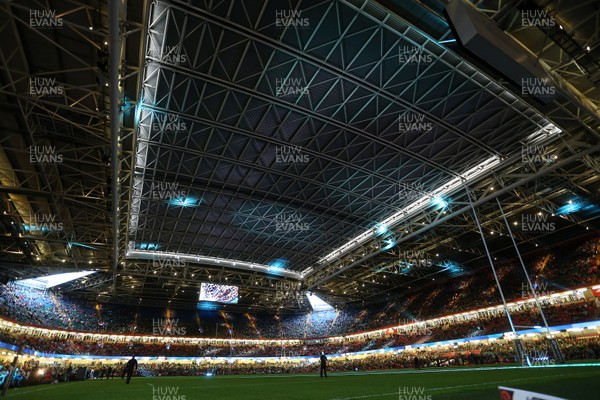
(438, 201)
(573, 207)
(451, 266)
(146, 246)
(45, 282)
(280, 263)
(155, 255)
(275, 266)
(185, 202)
(381, 229)
(389, 243)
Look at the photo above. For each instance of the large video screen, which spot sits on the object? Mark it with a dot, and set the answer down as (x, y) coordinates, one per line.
(218, 293)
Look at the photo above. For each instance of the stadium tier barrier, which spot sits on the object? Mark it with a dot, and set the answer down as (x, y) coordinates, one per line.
(583, 329)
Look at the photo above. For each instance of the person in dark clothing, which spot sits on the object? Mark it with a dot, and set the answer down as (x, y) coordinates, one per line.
(69, 373)
(129, 369)
(109, 372)
(323, 365)
(416, 361)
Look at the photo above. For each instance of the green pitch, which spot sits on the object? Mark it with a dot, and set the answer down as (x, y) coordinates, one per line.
(573, 382)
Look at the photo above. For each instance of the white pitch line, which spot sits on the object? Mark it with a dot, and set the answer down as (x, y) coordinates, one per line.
(366, 396)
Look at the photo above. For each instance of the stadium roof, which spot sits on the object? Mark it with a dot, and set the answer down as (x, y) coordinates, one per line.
(326, 146)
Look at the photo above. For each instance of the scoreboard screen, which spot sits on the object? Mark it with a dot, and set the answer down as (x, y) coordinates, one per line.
(218, 293)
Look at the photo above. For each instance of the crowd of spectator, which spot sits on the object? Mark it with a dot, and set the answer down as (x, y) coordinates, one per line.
(499, 352)
(63, 343)
(552, 271)
(54, 310)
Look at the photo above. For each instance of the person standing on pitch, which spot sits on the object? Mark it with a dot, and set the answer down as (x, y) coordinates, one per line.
(323, 364)
(130, 368)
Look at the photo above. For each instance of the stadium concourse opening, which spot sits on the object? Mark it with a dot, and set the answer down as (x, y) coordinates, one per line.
(238, 199)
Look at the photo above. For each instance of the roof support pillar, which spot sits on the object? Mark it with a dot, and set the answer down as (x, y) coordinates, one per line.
(113, 79)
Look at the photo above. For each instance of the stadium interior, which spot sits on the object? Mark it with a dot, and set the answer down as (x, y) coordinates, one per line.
(259, 188)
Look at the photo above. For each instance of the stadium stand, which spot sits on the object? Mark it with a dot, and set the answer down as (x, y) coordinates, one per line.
(53, 310)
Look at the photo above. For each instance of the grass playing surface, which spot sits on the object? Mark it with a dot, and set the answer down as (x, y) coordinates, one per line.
(576, 382)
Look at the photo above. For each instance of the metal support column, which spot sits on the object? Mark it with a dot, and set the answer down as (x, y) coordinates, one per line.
(113, 79)
(518, 345)
(555, 348)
